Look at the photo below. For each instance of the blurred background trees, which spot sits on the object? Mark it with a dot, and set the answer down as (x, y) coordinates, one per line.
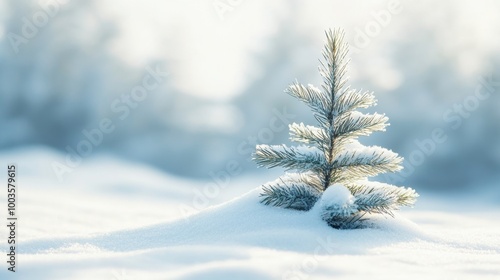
(227, 75)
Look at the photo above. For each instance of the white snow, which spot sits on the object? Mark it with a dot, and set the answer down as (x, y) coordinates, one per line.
(336, 194)
(301, 126)
(353, 147)
(99, 225)
(335, 200)
(366, 151)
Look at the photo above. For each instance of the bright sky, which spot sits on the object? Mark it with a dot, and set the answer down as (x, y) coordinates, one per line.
(211, 45)
(209, 48)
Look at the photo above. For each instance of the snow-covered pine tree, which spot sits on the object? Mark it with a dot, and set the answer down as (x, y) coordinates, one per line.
(331, 165)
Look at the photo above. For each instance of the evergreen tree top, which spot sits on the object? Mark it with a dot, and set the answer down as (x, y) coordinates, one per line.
(330, 153)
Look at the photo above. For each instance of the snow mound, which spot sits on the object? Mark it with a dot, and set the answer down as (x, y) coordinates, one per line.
(243, 239)
(242, 221)
(336, 194)
(239, 239)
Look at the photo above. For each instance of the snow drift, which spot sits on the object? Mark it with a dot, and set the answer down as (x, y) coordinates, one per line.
(238, 239)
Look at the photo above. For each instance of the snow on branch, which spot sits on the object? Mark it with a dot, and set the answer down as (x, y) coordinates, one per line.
(369, 194)
(290, 158)
(335, 167)
(358, 124)
(338, 207)
(308, 134)
(358, 162)
(292, 195)
(309, 178)
(353, 99)
(364, 197)
(312, 96)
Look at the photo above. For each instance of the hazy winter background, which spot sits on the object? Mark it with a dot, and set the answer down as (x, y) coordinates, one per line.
(188, 144)
(227, 72)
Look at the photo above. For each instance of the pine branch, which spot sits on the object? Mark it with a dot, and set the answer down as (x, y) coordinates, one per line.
(354, 221)
(291, 158)
(354, 164)
(340, 144)
(334, 156)
(334, 67)
(332, 212)
(333, 71)
(309, 178)
(369, 197)
(289, 195)
(353, 99)
(377, 202)
(354, 124)
(400, 196)
(312, 96)
(308, 134)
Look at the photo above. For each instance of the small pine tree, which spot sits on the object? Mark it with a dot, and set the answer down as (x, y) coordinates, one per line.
(331, 164)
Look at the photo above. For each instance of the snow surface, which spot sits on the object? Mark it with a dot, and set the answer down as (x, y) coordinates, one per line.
(336, 194)
(354, 147)
(126, 223)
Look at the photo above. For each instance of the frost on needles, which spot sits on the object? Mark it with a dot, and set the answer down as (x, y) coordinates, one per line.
(330, 165)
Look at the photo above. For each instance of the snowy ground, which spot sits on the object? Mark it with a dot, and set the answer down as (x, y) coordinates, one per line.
(112, 219)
